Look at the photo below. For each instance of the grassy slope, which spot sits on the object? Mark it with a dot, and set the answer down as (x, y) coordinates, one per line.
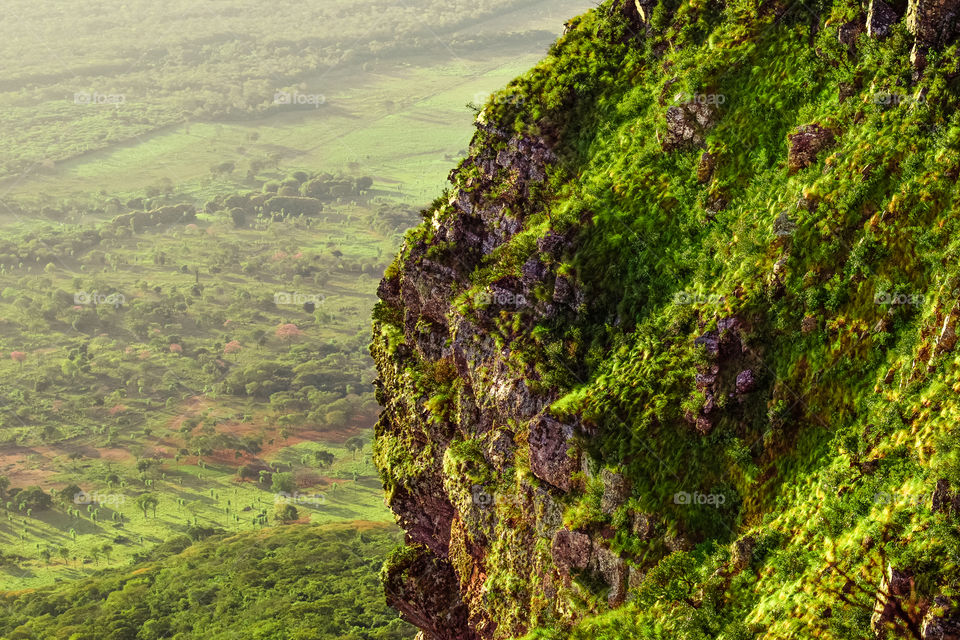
(847, 411)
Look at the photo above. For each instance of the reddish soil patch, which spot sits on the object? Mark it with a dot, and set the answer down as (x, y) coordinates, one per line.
(227, 457)
(260, 427)
(189, 409)
(14, 463)
(115, 455)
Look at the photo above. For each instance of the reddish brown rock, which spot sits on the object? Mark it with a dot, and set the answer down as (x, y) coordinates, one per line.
(708, 163)
(688, 123)
(426, 591)
(746, 382)
(934, 24)
(895, 587)
(616, 491)
(806, 143)
(742, 553)
(942, 621)
(549, 460)
(848, 32)
(880, 19)
(943, 499)
(644, 525)
(614, 572)
(571, 551)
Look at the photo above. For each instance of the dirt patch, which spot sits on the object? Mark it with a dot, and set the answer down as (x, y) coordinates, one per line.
(15, 465)
(115, 455)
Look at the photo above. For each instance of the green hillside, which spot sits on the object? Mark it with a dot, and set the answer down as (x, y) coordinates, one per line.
(674, 356)
(293, 582)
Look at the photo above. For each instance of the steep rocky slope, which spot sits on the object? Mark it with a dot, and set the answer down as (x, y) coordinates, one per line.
(674, 357)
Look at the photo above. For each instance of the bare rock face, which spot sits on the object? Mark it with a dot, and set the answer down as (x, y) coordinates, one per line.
(947, 339)
(425, 512)
(571, 551)
(895, 586)
(549, 460)
(632, 12)
(616, 491)
(880, 19)
(688, 123)
(389, 291)
(742, 554)
(426, 591)
(708, 163)
(933, 23)
(614, 572)
(746, 382)
(806, 143)
(943, 499)
(942, 621)
(644, 526)
(715, 203)
(848, 33)
(715, 378)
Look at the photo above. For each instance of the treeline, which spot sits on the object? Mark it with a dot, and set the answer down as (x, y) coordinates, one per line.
(292, 582)
(299, 194)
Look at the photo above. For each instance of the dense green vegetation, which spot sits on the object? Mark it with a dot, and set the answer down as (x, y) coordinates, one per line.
(831, 280)
(298, 581)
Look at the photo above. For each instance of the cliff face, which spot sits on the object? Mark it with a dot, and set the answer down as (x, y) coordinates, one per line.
(686, 311)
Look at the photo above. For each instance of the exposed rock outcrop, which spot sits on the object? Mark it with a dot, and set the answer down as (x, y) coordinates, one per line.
(616, 491)
(944, 500)
(571, 551)
(880, 19)
(895, 587)
(425, 590)
(942, 621)
(806, 143)
(934, 23)
(550, 459)
(725, 374)
(688, 123)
